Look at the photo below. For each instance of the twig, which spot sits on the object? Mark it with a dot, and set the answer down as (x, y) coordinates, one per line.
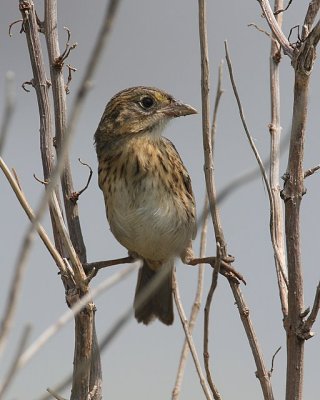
(8, 110)
(14, 365)
(307, 326)
(279, 11)
(39, 82)
(268, 13)
(97, 265)
(28, 210)
(262, 373)
(13, 23)
(55, 395)
(189, 338)
(195, 308)
(262, 31)
(311, 171)
(74, 197)
(206, 354)
(207, 141)
(272, 361)
(56, 60)
(277, 226)
(203, 240)
(261, 370)
(261, 166)
(20, 266)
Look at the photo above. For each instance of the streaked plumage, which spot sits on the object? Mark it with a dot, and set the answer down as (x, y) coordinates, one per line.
(147, 190)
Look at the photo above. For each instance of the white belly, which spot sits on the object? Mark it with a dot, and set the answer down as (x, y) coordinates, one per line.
(155, 228)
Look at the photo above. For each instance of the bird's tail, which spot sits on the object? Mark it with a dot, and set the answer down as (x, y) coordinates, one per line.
(159, 303)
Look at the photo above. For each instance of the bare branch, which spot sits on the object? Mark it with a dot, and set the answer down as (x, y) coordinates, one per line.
(262, 372)
(243, 309)
(189, 338)
(56, 60)
(20, 265)
(292, 195)
(279, 11)
(28, 210)
(207, 140)
(307, 326)
(206, 354)
(272, 361)
(261, 166)
(311, 171)
(262, 31)
(273, 24)
(75, 195)
(275, 135)
(13, 23)
(39, 82)
(195, 308)
(203, 241)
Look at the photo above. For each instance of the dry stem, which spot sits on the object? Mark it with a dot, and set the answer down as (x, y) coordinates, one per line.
(189, 338)
(275, 136)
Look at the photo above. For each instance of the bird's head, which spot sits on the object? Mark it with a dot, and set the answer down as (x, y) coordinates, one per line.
(139, 110)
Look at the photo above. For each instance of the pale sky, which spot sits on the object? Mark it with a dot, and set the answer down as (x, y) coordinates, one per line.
(156, 43)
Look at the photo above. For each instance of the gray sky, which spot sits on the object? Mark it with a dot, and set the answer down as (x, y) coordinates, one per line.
(156, 43)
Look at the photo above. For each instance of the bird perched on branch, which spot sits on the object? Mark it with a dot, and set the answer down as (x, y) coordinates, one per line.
(147, 190)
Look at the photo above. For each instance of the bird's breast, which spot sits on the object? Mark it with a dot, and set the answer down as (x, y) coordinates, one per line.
(148, 209)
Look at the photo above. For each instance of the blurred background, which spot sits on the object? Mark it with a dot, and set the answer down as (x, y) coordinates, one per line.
(156, 43)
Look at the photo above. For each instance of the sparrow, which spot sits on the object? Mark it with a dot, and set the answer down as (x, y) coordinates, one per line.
(147, 190)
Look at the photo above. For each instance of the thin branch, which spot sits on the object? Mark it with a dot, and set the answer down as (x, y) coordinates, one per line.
(194, 310)
(60, 113)
(272, 361)
(307, 326)
(262, 372)
(20, 265)
(269, 35)
(9, 104)
(203, 241)
(311, 171)
(312, 12)
(206, 354)
(275, 135)
(13, 369)
(39, 82)
(244, 313)
(185, 325)
(74, 196)
(28, 210)
(207, 140)
(261, 166)
(97, 265)
(273, 24)
(282, 10)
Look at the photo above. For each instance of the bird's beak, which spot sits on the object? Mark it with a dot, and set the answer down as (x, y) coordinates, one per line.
(178, 109)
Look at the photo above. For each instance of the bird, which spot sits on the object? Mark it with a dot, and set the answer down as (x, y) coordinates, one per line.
(147, 190)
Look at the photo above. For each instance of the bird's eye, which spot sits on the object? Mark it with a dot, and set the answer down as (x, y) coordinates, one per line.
(146, 102)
